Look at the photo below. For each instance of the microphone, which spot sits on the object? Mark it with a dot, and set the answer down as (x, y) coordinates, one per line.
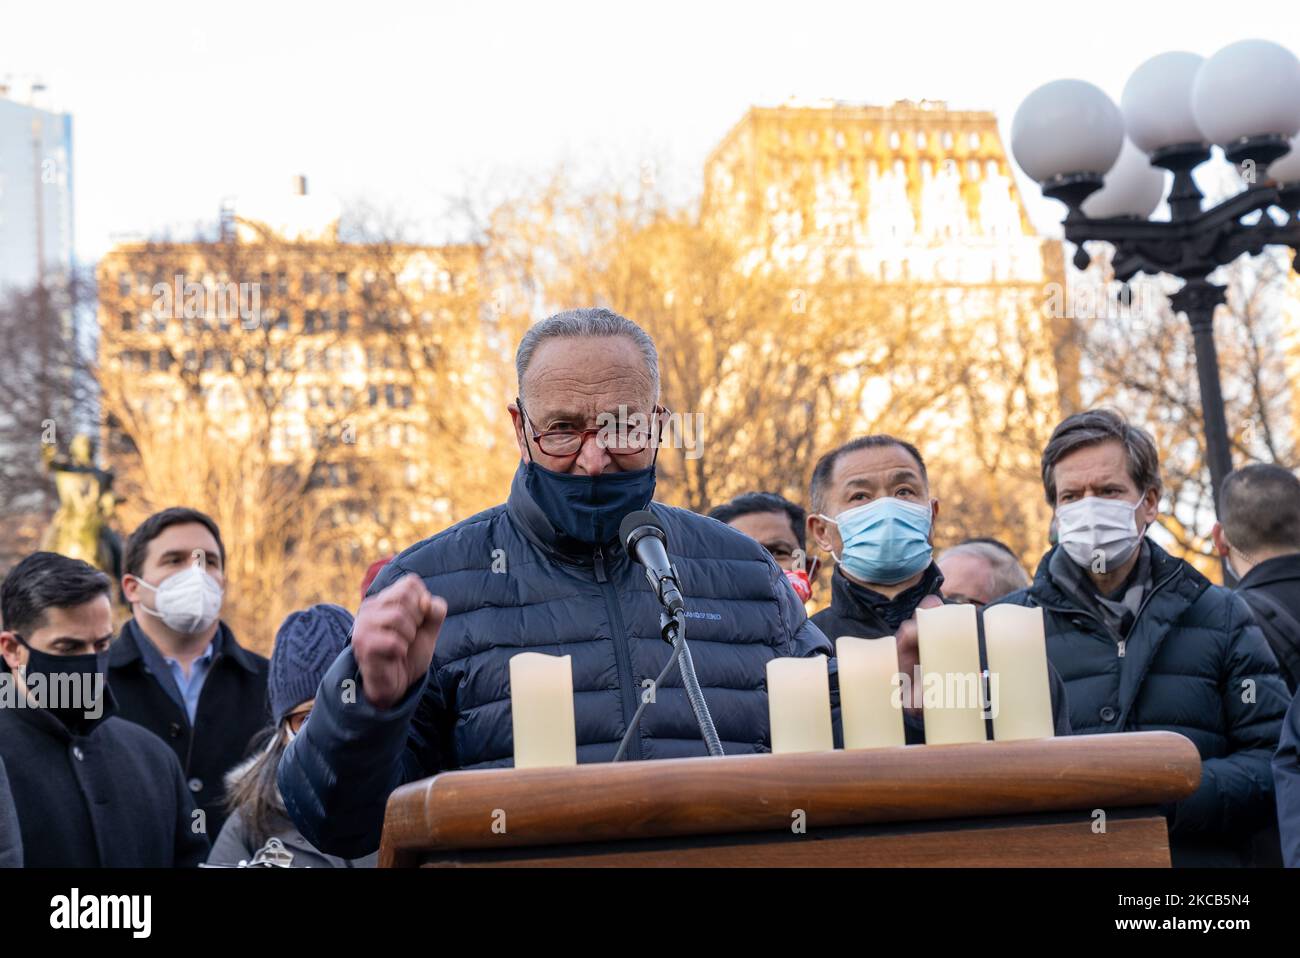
(647, 543)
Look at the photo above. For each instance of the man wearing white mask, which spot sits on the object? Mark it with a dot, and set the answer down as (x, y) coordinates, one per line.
(1145, 642)
(176, 669)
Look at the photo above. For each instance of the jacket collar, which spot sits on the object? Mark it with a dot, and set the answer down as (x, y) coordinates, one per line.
(861, 604)
(47, 722)
(128, 648)
(1175, 585)
(1271, 571)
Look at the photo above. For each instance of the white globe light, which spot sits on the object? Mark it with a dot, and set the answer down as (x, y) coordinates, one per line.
(1157, 102)
(1287, 169)
(1133, 187)
(1248, 88)
(1065, 127)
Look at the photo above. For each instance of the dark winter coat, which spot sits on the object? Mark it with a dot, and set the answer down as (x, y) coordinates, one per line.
(108, 794)
(1193, 662)
(232, 709)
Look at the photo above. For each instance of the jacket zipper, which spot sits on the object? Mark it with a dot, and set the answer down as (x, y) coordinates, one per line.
(621, 652)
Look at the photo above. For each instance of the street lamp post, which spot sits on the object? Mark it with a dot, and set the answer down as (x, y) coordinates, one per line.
(1107, 163)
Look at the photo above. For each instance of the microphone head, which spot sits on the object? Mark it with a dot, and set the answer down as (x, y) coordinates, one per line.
(636, 526)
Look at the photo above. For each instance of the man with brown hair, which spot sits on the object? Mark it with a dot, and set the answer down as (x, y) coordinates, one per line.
(1144, 641)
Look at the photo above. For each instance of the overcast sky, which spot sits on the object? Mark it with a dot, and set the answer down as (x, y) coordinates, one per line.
(178, 104)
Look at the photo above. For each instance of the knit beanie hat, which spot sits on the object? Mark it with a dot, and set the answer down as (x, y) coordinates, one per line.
(306, 645)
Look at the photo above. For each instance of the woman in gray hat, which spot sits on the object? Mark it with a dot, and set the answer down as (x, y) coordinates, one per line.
(259, 831)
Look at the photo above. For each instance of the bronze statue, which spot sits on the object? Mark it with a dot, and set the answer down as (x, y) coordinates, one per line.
(80, 527)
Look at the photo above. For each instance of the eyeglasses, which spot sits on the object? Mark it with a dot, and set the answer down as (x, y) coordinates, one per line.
(623, 438)
(296, 720)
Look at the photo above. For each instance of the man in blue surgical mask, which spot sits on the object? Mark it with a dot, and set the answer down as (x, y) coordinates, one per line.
(544, 571)
(872, 512)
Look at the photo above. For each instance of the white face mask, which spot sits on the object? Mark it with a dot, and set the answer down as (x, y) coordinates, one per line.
(1099, 534)
(189, 602)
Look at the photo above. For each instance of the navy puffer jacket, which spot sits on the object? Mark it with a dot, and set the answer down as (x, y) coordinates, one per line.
(1194, 662)
(513, 583)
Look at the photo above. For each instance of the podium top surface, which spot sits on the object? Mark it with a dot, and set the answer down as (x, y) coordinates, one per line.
(693, 796)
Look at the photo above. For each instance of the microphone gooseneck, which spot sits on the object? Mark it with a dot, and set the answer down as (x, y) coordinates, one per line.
(647, 543)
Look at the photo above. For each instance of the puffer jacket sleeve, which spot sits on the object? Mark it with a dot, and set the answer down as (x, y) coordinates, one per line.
(1236, 791)
(336, 775)
(1286, 778)
(11, 839)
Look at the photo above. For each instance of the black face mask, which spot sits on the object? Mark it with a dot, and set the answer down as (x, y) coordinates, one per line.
(589, 508)
(70, 687)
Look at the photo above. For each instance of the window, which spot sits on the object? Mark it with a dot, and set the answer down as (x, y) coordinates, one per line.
(281, 283)
(372, 395)
(388, 395)
(343, 321)
(308, 281)
(124, 284)
(920, 140)
(895, 140)
(128, 321)
(341, 282)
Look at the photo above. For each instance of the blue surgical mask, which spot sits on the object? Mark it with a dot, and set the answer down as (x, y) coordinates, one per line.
(885, 541)
(589, 508)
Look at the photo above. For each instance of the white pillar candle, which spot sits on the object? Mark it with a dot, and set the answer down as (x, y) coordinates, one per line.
(950, 674)
(868, 669)
(1020, 693)
(799, 705)
(541, 709)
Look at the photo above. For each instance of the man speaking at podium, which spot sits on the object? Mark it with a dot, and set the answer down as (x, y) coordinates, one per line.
(425, 684)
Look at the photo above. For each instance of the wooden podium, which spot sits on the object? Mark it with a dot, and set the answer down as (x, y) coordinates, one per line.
(1088, 800)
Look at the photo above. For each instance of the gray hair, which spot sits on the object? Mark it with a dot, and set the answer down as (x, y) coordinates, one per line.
(1092, 428)
(1006, 574)
(591, 321)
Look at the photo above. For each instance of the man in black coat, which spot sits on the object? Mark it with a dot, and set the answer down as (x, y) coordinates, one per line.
(11, 839)
(1144, 641)
(873, 513)
(90, 789)
(177, 669)
(1259, 534)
